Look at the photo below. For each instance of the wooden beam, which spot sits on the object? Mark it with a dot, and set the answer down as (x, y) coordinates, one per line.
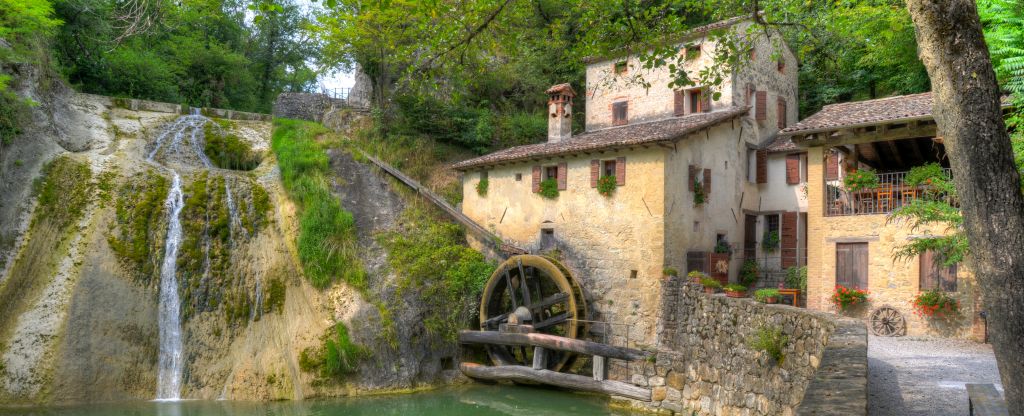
(915, 150)
(600, 369)
(908, 132)
(540, 356)
(552, 342)
(525, 374)
(891, 144)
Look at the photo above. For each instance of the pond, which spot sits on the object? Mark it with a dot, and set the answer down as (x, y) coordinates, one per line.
(469, 400)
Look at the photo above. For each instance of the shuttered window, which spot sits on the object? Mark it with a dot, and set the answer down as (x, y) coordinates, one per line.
(707, 184)
(620, 171)
(762, 166)
(761, 105)
(852, 265)
(562, 172)
(781, 113)
(679, 102)
(536, 179)
(935, 276)
(620, 113)
(788, 239)
(595, 172)
(793, 169)
(831, 166)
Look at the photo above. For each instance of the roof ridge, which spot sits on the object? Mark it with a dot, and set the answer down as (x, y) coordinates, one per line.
(892, 97)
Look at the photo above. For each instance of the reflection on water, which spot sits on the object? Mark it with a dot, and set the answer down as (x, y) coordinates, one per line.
(470, 400)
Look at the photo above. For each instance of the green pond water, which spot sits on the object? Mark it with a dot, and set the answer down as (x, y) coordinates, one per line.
(472, 400)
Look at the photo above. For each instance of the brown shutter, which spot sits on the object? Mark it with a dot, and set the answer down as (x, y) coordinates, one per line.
(761, 106)
(692, 177)
(928, 273)
(705, 105)
(788, 237)
(831, 166)
(707, 184)
(595, 172)
(762, 166)
(679, 101)
(620, 171)
(780, 111)
(563, 170)
(536, 179)
(793, 169)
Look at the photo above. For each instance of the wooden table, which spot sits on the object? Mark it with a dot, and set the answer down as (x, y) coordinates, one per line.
(795, 293)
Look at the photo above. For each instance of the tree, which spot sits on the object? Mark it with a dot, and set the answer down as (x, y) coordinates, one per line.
(969, 118)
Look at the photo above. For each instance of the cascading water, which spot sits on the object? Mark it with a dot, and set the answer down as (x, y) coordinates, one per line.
(168, 385)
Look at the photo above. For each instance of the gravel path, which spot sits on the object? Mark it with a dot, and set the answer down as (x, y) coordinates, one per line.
(909, 376)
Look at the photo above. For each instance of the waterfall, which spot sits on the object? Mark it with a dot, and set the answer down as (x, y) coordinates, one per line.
(168, 385)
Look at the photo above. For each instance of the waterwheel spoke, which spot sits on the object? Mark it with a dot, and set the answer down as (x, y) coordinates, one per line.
(523, 284)
(560, 297)
(552, 321)
(511, 291)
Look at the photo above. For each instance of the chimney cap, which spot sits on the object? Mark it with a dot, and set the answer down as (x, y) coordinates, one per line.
(561, 89)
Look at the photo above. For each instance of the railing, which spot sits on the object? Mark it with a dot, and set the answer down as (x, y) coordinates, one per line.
(359, 99)
(891, 193)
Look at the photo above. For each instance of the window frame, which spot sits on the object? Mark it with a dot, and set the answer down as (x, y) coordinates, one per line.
(548, 172)
(624, 105)
(605, 164)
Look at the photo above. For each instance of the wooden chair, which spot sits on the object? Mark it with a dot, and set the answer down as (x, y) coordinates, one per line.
(884, 196)
(907, 195)
(867, 202)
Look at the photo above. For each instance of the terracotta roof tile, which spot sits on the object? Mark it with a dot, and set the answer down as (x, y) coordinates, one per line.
(612, 137)
(564, 88)
(781, 144)
(699, 30)
(836, 116)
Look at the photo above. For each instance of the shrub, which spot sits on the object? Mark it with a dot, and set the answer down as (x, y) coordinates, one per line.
(606, 185)
(771, 341)
(844, 297)
(762, 295)
(228, 151)
(735, 287)
(859, 180)
(698, 193)
(935, 303)
(549, 188)
(336, 357)
(796, 278)
(711, 283)
(722, 248)
(748, 273)
(670, 271)
(481, 186)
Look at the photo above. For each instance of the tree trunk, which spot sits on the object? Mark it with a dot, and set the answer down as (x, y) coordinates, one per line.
(969, 117)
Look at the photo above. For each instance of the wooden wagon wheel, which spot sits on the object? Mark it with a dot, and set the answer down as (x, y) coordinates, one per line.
(886, 321)
(537, 291)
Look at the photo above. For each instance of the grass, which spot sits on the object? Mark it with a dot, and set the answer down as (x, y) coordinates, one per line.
(228, 151)
(770, 340)
(327, 235)
(337, 356)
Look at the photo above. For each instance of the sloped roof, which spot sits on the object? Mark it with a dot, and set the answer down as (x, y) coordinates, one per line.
(781, 144)
(613, 137)
(699, 30)
(836, 116)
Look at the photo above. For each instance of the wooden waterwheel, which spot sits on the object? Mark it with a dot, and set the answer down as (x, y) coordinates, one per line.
(886, 321)
(529, 293)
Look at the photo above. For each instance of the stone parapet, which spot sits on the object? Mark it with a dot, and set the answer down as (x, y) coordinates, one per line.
(305, 106)
(135, 104)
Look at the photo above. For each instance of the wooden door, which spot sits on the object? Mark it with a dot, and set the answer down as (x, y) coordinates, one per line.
(852, 265)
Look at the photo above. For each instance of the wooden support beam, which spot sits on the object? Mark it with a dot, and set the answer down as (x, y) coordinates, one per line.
(552, 342)
(525, 374)
(540, 358)
(891, 144)
(600, 368)
(552, 321)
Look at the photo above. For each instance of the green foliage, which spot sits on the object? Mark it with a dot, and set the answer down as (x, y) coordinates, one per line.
(327, 236)
(432, 258)
(770, 240)
(228, 151)
(670, 271)
(796, 278)
(23, 23)
(606, 185)
(481, 186)
(549, 188)
(275, 295)
(698, 193)
(13, 114)
(722, 248)
(859, 180)
(336, 358)
(762, 295)
(735, 287)
(140, 213)
(933, 207)
(748, 272)
(708, 282)
(935, 302)
(65, 192)
(772, 341)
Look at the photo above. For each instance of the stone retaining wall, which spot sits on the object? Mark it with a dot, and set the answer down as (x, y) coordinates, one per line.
(305, 106)
(161, 107)
(705, 365)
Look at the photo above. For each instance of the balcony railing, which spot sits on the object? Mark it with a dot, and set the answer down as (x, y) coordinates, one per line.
(891, 193)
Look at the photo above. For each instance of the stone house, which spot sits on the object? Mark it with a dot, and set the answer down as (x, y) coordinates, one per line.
(851, 239)
(685, 168)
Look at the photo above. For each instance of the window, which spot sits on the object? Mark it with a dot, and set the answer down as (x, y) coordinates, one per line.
(620, 113)
(608, 168)
(550, 172)
(852, 265)
(696, 101)
(696, 260)
(935, 276)
(752, 166)
(519, 177)
(781, 113)
(547, 239)
(771, 223)
(620, 67)
(692, 52)
(781, 65)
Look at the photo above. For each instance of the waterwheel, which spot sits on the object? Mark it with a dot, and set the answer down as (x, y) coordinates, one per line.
(886, 321)
(537, 294)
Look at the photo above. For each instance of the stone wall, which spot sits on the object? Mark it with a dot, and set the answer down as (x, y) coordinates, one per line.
(705, 365)
(134, 104)
(304, 106)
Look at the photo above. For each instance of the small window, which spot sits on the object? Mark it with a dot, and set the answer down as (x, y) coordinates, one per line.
(607, 168)
(519, 177)
(692, 52)
(781, 65)
(772, 223)
(698, 101)
(621, 67)
(547, 239)
(696, 226)
(720, 239)
(620, 113)
(632, 274)
(551, 172)
(935, 276)
(752, 166)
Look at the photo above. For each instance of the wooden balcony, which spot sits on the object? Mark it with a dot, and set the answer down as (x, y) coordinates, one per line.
(891, 193)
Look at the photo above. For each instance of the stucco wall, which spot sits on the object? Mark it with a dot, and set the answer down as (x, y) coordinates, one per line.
(601, 239)
(891, 282)
(763, 73)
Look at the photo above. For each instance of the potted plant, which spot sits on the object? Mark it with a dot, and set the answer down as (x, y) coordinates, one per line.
(735, 290)
(770, 241)
(748, 273)
(606, 185)
(767, 295)
(710, 285)
(696, 276)
(935, 303)
(860, 180)
(844, 297)
(723, 248)
(670, 272)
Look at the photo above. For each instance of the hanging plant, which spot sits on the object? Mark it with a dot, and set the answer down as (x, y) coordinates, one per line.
(606, 185)
(860, 180)
(770, 242)
(698, 193)
(844, 297)
(549, 188)
(481, 187)
(935, 303)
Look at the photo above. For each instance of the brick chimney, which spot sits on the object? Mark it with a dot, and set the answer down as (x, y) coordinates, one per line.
(560, 112)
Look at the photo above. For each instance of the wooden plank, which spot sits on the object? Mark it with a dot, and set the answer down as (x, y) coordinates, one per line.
(525, 374)
(554, 320)
(984, 400)
(552, 342)
(539, 358)
(600, 369)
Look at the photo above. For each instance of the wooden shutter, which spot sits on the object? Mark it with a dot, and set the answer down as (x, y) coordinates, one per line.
(780, 110)
(831, 166)
(762, 166)
(935, 276)
(788, 236)
(705, 101)
(536, 179)
(793, 169)
(707, 184)
(679, 102)
(595, 172)
(852, 265)
(620, 171)
(620, 113)
(563, 170)
(692, 177)
(761, 106)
